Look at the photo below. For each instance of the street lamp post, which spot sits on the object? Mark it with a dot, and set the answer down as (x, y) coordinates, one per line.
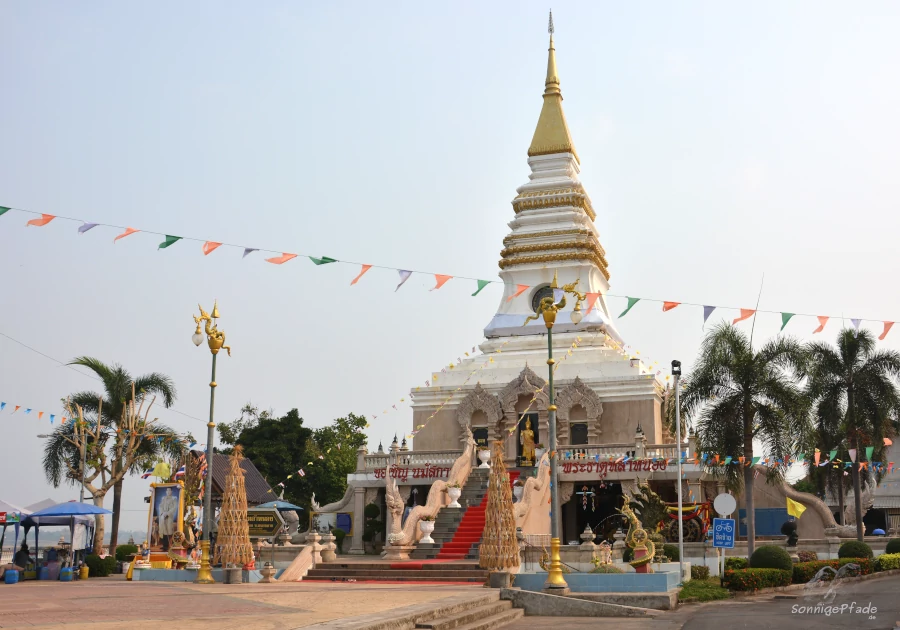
(676, 372)
(215, 339)
(548, 308)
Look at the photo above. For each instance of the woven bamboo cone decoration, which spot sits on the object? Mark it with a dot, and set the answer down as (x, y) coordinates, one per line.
(233, 542)
(499, 548)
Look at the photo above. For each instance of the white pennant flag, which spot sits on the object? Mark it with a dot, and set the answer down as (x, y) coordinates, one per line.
(856, 323)
(558, 295)
(404, 276)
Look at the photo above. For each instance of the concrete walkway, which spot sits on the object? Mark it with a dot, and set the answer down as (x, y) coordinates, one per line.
(112, 603)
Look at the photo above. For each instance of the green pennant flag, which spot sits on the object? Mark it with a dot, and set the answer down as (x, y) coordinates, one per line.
(324, 260)
(631, 302)
(869, 451)
(756, 460)
(4, 210)
(170, 240)
(785, 318)
(481, 285)
(832, 455)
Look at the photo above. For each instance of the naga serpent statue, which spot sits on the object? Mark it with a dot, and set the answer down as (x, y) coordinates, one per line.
(637, 538)
(215, 337)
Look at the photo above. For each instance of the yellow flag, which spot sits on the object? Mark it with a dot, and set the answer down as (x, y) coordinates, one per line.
(794, 508)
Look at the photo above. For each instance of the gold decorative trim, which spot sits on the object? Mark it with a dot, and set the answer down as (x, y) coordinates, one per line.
(544, 247)
(514, 237)
(546, 258)
(555, 199)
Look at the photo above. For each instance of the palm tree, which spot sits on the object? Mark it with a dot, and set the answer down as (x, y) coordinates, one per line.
(738, 395)
(117, 386)
(855, 383)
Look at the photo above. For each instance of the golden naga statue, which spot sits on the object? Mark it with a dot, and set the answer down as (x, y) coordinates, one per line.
(548, 309)
(526, 439)
(214, 337)
(637, 538)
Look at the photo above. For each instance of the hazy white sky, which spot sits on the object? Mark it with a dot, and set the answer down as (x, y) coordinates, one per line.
(718, 141)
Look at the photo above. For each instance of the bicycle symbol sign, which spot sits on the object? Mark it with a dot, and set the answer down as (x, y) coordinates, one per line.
(723, 532)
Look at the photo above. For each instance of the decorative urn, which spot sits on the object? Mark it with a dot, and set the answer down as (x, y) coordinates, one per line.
(485, 457)
(454, 492)
(427, 527)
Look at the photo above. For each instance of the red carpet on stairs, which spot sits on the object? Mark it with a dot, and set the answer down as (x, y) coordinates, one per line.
(470, 529)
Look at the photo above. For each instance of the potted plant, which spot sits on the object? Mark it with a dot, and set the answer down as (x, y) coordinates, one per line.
(484, 454)
(426, 524)
(454, 491)
(539, 451)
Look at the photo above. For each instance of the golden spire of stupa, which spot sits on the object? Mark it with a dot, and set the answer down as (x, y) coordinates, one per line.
(552, 133)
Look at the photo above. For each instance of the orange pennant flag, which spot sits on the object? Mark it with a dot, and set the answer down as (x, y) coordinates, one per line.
(887, 328)
(44, 220)
(209, 247)
(64, 419)
(591, 300)
(40, 414)
(823, 319)
(441, 280)
(520, 289)
(127, 232)
(17, 408)
(365, 268)
(280, 260)
(745, 313)
(668, 306)
(888, 441)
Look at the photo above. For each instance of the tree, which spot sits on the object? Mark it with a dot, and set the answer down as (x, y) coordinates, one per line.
(120, 388)
(853, 388)
(738, 395)
(126, 439)
(281, 447)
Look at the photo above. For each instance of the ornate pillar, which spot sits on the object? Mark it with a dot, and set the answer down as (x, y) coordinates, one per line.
(357, 546)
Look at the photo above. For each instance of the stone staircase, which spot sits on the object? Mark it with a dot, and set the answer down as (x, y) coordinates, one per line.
(450, 520)
(408, 572)
(482, 616)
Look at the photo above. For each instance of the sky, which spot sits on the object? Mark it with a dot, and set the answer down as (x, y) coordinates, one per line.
(719, 142)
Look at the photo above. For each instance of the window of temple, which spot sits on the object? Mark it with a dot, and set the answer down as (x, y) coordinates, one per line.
(578, 433)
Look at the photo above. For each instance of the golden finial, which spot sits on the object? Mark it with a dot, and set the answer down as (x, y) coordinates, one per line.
(215, 313)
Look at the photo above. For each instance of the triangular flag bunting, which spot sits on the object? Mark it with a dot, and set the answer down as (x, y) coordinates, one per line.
(441, 280)
(707, 311)
(785, 318)
(280, 260)
(404, 276)
(4, 209)
(852, 454)
(365, 268)
(887, 441)
(44, 220)
(668, 306)
(631, 302)
(481, 285)
(209, 247)
(745, 313)
(591, 301)
(170, 240)
(324, 260)
(823, 319)
(85, 227)
(856, 323)
(869, 451)
(127, 232)
(249, 250)
(520, 289)
(887, 328)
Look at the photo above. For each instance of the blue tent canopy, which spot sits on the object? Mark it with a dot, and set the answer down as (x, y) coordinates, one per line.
(281, 506)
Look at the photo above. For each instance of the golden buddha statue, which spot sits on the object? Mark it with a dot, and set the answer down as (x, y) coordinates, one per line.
(526, 439)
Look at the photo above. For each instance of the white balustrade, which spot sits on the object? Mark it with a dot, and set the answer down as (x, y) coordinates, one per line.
(441, 459)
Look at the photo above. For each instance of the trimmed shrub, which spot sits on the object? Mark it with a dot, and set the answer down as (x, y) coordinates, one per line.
(771, 557)
(807, 556)
(736, 564)
(671, 552)
(99, 567)
(855, 549)
(606, 568)
(628, 554)
(887, 561)
(893, 546)
(339, 535)
(755, 579)
(699, 572)
(803, 572)
(123, 552)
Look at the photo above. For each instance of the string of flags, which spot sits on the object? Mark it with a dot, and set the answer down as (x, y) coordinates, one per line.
(207, 247)
(28, 410)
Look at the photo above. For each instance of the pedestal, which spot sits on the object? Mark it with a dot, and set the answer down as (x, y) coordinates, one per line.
(645, 568)
(268, 574)
(396, 553)
(328, 548)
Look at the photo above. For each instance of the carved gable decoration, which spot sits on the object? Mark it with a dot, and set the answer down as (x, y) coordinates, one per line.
(526, 383)
(479, 400)
(578, 394)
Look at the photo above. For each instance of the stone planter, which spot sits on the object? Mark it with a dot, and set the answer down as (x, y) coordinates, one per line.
(234, 575)
(454, 494)
(517, 492)
(485, 457)
(268, 574)
(427, 527)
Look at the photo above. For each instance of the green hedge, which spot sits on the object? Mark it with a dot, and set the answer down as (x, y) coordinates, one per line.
(699, 572)
(606, 568)
(771, 557)
(855, 549)
(887, 561)
(736, 564)
(803, 572)
(893, 546)
(99, 567)
(671, 552)
(755, 579)
(124, 552)
(339, 535)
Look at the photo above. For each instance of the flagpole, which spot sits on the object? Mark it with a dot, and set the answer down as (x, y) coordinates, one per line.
(676, 372)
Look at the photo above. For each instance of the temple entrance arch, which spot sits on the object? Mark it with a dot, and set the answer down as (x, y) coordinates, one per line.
(578, 404)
